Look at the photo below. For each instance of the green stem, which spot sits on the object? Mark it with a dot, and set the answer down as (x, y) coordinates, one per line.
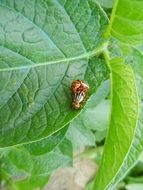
(108, 32)
(105, 52)
(91, 153)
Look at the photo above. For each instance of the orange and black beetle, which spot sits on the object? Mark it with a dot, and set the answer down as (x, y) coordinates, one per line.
(79, 90)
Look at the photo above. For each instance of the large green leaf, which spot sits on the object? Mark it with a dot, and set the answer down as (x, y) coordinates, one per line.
(136, 61)
(31, 164)
(123, 120)
(125, 27)
(44, 45)
(29, 167)
(49, 31)
(126, 23)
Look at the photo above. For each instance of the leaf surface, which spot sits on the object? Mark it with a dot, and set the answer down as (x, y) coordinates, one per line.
(126, 24)
(125, 30)
(122, 126)
(44, 46)
(135, 59)
(30, 167)
(106, 3)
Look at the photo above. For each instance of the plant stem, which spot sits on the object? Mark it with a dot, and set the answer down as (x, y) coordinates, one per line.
(108, 32)
(92, 153)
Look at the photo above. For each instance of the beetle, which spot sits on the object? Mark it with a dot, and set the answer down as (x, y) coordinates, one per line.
(79, 91)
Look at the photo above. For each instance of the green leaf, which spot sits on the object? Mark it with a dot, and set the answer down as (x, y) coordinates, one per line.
(31, 168)
(57, 111)
(46, 145)
(126, 23)
(53, 29)
(26, 163)
(135, 179)
(44, 46)
(89, 186)
(123, 122)
(135, 59)
(80, 135)
(125, 30)
(32, 183)
(134, 186)
(105, 3)
(137, 169)
(97, 118)
(100, 136)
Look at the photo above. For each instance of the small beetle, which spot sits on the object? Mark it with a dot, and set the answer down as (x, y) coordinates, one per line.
(79, 90)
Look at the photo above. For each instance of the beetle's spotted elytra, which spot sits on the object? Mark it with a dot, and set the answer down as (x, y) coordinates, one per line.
(79, 91)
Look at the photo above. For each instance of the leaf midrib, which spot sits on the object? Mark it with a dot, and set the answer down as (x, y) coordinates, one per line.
(108, 32)
(86, 55)
(81, 56)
